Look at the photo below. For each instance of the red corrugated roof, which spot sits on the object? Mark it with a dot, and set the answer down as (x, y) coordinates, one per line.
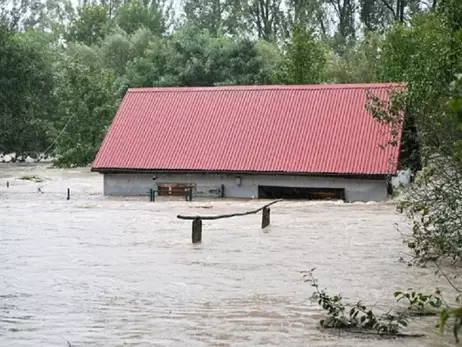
(297, 129)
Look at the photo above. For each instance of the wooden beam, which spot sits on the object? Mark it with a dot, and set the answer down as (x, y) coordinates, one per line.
(228, 215)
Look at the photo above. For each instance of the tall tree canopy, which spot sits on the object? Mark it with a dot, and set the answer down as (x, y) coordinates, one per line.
(54, 53)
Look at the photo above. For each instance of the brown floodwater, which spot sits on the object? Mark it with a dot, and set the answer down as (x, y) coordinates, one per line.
(124, 273)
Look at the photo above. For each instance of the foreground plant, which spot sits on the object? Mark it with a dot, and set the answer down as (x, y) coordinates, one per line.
(360, 319)
(420, 303)
(357, 317)
(456, 315)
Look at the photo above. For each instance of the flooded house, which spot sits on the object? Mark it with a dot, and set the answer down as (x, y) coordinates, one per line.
(301, 142)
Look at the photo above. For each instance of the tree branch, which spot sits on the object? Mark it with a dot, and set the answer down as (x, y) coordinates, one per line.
(387, 5)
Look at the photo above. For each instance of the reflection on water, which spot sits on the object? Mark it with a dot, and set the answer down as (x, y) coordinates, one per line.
(126, 273)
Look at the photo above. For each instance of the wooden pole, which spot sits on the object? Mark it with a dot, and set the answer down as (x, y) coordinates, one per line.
(265, 217)
(68, 193)
(7, 184)
(197, 220)
(197, 230)
(227, 215)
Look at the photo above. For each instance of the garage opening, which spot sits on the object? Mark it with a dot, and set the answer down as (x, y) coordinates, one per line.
(296, 193)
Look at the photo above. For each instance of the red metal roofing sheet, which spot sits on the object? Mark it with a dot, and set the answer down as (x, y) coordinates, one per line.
(298, 129)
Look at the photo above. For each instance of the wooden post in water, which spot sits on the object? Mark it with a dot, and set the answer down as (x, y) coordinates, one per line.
(265, 217)
(7, 184)
(197, 220)
(197, 230)
(68, 193)
(152, 195)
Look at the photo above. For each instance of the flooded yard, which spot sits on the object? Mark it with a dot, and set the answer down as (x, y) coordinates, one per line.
(124, 273)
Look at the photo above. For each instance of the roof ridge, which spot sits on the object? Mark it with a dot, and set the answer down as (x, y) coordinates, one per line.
(313, 87)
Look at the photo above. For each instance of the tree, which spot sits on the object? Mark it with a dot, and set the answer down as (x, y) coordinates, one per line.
(216, 16)
(426, 56)
(306, 14)
(119, 48)
(26, 93)
(358, 63)
(55, 16)
(194, 57)
(267, 18)
(92, 25)
(305, 59)
(87, 106)
(423, 56)
(137, 14)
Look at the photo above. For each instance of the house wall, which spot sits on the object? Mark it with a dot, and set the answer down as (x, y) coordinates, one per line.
(209, 185)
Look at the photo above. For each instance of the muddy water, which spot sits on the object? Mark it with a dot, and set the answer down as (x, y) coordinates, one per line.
(115, 273)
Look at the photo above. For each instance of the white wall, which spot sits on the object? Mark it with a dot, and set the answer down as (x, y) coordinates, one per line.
(139, 184)
(403, 178)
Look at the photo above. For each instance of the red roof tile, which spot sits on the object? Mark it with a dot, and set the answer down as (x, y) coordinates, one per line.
(297, 129)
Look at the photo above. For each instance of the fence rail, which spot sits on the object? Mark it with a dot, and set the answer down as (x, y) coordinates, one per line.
(196, 235)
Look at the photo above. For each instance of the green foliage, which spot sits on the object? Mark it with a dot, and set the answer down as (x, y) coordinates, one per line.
(433, 204)
(132, 42)
(26, 94)
(357, 316)
(433, 207)
(424, 304)
(455, 103)
(193, 57)
(456, 315)
(216, 16)
(86, 109)
(451, 11)
(305, 60)
(426, 55)
(423, 56)
(92, 25)
(359, 63)
(55, 17)
(136, 14)
(455, 112)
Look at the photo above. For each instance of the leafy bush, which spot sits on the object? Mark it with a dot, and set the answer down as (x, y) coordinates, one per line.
(356, 316)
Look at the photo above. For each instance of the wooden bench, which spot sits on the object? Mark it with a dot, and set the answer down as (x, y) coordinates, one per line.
(172, 190)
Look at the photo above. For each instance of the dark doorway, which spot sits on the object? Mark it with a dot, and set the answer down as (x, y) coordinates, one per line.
(296, 193)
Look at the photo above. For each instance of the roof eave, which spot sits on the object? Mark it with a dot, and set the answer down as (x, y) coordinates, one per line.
(242, 172)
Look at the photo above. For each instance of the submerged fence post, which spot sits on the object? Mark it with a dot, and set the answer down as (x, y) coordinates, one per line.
(196, 230)
(152, 195)
(68, 193)
(197, 220)
(265, 218)
(188, 194)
